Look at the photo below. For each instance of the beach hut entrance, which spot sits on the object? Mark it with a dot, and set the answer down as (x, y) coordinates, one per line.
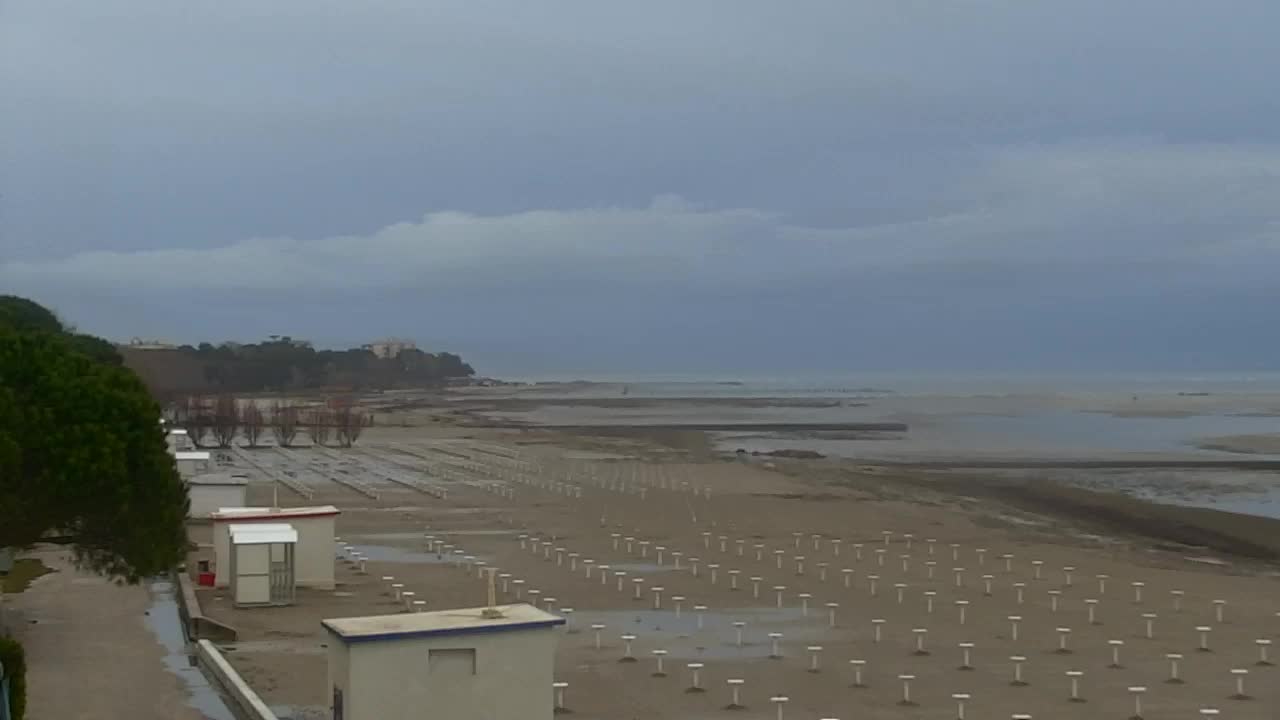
(262, 564)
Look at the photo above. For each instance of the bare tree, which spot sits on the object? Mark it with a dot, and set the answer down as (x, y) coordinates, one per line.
(284, 422)
(319, 424)
(349, 423)
(204, 418)
(252, 423)
(226, 420)
(184, 416)
(193, 416)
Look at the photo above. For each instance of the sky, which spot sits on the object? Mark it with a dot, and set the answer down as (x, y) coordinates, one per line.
(697, 186)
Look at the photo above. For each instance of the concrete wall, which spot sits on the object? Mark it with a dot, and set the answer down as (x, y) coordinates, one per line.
(394, 680)
(207, 499)
(198, 624)
(313, 557)
(247, 703)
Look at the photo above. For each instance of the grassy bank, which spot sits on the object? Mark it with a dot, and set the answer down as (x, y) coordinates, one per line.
(24, 572)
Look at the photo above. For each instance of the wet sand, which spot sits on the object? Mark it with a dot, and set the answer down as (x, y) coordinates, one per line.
(1180, 448)
(763, 503)
(1246, 444)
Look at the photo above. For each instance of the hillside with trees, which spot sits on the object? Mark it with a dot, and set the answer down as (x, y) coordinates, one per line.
(284, 365)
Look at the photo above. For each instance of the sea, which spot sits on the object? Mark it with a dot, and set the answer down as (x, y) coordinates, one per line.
(1008, 416)
(883, 383)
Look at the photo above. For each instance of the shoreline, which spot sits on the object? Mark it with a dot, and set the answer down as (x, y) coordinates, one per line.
(1187, 529)
(1191, 529)
(1067, 464)
(1243, 537)
(707, 427)
(1243, 444)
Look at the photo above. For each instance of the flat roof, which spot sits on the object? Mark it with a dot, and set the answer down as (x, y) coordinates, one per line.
(240, 514)
(461, 621)
(177, 431)
(218, 479)
(262, 533)
(258, 527)
(191, 455)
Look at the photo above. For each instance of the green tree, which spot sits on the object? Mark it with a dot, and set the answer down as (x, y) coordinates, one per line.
(83, 459)
(24, 315)
(14, 660)
(96, 348)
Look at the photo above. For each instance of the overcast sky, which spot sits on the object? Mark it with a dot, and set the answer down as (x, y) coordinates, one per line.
(661, 186)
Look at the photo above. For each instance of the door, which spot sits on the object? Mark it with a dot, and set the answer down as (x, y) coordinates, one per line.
(282, 578)
(250, 574)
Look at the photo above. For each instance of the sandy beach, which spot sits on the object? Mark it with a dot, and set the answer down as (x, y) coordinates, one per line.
(910, 519)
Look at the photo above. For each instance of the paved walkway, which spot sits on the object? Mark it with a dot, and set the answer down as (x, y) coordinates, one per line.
(92, 652)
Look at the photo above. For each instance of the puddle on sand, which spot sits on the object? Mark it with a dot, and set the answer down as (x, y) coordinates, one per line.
(420, 535)
(717, 639)
(163, 621)
(641, 568)
(388, 536)
(391, 554)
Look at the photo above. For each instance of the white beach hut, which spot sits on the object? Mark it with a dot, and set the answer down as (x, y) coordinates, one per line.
(191, 462)
(262, 564)
(210, 492)
(314, 553)
(466, 664)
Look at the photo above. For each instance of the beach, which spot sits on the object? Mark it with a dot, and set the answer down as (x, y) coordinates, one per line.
(585, 490)
(1206, 440)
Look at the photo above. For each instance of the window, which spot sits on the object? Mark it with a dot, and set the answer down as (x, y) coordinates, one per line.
(451, 662)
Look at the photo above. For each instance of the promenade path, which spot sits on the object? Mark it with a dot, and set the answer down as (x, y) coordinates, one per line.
(100, 650)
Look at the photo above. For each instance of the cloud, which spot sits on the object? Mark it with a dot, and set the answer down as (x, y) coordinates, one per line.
(1041, 210)
(978, 168)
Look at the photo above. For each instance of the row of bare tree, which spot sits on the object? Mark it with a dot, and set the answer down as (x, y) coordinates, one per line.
(224, 416)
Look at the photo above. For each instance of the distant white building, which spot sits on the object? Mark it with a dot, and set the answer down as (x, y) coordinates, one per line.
(138, 343)
(191, 462)
(389, 347)
(210, 492)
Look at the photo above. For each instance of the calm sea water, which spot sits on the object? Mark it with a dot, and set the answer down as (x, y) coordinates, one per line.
(876, 384)
(950, 414)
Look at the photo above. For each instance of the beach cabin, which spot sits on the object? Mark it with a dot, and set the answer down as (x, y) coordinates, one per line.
(314, 551)
(262, 563)
(210, 492)
(191, 462)
(177, 438)
(468, 664)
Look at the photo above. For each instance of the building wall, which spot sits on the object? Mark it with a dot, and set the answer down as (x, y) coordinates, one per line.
(313, 557)
(187, 468)
(252, 586)
(338, 669)
(207, 499)
(394, 680)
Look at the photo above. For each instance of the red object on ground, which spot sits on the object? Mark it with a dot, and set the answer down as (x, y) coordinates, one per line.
(205, 579)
